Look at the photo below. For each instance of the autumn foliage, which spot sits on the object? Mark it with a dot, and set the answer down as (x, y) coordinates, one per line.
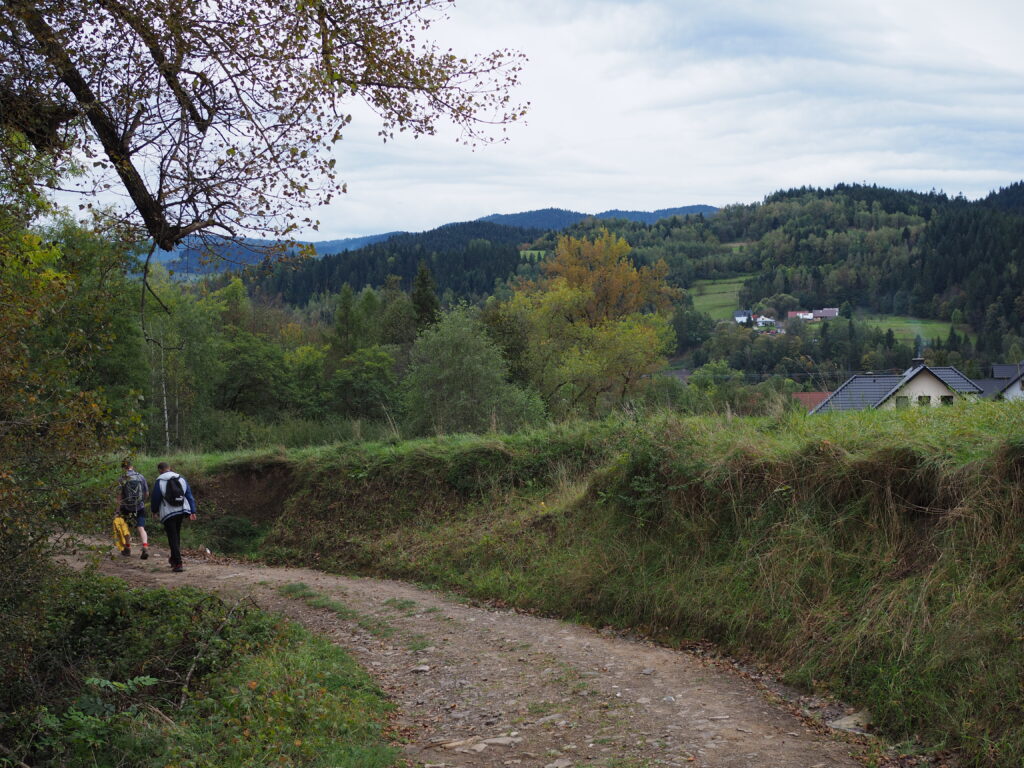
(615, 287)
(55, 429)
(595, 325)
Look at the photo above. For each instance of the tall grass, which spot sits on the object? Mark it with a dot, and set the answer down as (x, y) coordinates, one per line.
(879, 554)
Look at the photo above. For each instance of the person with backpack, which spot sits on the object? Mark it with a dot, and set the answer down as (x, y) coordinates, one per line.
(171, 501)
(132, 491)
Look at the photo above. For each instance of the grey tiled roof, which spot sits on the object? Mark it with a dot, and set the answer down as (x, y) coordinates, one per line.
(1006, 370)
(864, 391)
(859, 392)
(956, 380)
(991, 387)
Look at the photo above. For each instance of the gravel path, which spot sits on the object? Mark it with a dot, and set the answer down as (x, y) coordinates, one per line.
(477, 687)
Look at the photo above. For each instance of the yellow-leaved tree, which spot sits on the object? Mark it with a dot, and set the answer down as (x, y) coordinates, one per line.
(596, 325)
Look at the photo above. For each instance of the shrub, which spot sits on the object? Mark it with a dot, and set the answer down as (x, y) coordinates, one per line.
(151, 678)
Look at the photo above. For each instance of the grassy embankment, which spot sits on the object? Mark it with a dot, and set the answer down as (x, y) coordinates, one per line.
(158, 678)
(879, 555)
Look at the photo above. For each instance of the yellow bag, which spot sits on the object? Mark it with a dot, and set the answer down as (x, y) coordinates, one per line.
(122, 536)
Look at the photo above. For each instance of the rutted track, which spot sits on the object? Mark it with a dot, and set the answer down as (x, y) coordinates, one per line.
(481, 687)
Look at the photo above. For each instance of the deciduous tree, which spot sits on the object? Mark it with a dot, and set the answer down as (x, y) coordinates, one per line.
(219, 116)
(56, 428)
(365, 385)
(458, 381)
(596, 324)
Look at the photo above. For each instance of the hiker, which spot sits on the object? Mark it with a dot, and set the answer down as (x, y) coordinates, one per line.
(132, 492)
(172, 499)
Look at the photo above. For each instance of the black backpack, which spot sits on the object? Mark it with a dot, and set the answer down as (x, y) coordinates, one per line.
(174, 492)
(133, 492)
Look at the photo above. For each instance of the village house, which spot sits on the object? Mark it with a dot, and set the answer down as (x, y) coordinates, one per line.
(747, 317)
(999, 380)
(813, 315)
(1013, 389)
(920, 386)
(742, 316)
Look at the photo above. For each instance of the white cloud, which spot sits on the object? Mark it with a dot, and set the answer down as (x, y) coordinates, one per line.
(656, 104)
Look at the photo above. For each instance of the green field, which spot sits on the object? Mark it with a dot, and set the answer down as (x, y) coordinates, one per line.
(718, 298)
(906, 328)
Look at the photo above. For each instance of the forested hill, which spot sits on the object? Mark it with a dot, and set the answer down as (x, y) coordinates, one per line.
(890, 252)
(188, 257)
(883, 250)
(560, 218)
(1009, 198)
(465, 260)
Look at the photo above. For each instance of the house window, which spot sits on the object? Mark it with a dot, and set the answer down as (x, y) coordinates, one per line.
(902, 401)
(924, 400)
(947, 399)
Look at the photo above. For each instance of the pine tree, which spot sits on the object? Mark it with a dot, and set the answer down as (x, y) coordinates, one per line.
(424, 297)
(343, 336)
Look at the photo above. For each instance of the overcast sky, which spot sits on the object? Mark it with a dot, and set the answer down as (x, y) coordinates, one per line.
(645, 105)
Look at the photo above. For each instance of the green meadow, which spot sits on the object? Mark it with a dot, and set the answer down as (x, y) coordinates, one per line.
(907, 328)
(718, 298)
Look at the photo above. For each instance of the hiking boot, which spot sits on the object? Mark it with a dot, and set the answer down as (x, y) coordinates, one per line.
(126, 552)
(145, 554)
(177, 569)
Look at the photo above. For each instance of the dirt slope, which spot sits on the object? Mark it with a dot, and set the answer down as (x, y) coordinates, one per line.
(481, 687)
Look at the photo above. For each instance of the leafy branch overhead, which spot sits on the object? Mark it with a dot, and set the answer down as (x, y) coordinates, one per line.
(219, 117)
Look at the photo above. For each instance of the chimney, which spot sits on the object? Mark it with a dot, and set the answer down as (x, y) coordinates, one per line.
(916, 363)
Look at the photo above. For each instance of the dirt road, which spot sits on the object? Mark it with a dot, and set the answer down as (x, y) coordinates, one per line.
(480, 687)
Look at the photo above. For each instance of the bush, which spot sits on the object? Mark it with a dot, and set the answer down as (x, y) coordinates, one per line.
(151, 678)
(458, 382)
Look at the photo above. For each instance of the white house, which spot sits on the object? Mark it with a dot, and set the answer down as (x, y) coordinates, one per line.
(919, 386)
(1013, 389)
(742, 316)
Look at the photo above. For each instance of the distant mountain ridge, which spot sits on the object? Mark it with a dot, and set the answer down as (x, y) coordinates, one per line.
(465, 258)
(187, 258)
(560, 218)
